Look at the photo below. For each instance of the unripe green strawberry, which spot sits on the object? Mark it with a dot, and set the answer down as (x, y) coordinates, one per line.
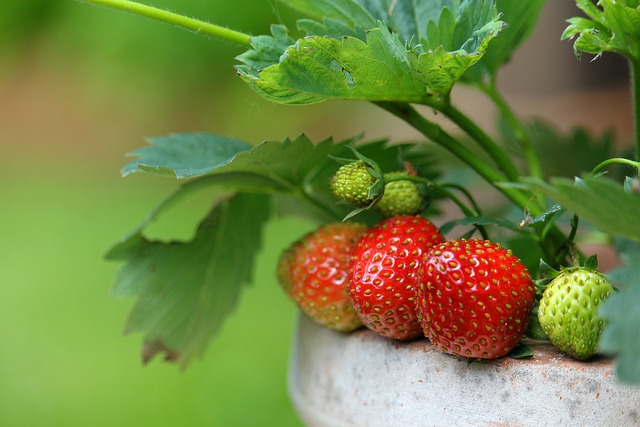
(476, 299)
(568, 311)
(314, 272)
(400, 197)
(352, 183)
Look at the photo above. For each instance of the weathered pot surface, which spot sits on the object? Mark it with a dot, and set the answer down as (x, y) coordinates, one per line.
(361, 379)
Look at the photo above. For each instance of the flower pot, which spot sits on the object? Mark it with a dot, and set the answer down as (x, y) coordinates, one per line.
(362, 379)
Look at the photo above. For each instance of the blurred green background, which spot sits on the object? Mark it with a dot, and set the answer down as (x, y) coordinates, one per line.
(79, 87)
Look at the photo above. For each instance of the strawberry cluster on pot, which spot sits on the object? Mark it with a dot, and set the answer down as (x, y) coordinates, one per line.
(402, 279)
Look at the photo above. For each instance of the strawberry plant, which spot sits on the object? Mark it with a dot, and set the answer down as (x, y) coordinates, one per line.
(398, 55)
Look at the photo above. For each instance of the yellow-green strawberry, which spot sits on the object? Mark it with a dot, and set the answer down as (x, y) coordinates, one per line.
(568, 311)
(314, 272)
(401, 196)
(352, 183)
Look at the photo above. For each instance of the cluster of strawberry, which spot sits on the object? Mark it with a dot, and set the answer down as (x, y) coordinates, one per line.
(402, 279)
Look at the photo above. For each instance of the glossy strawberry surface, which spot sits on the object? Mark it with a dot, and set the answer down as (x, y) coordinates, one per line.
(314, 272)
(387, 265)
(476, 299)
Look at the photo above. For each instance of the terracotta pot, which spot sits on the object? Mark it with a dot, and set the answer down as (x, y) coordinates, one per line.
(361, 379)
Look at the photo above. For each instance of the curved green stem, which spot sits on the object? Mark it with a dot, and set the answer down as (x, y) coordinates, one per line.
(448, 194)
(438, 135)
(439, 188)
(615, 160)
(190, 24)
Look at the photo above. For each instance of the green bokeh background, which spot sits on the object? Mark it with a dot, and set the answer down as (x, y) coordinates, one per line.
(79, 87)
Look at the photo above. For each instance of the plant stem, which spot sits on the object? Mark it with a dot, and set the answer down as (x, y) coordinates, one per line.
(615, 160)
(480, 136)
(438, 135)
(516, 125)
(533, 161)
(634, 68)
(184, 22)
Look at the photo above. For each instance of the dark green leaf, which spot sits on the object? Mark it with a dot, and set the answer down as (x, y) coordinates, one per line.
(600, 201)
(628, 274)
(376, 65)
(621, 336)
(186, 290)
(185, 155)
(521, 351)
(553, 210)
(591, 263)
(611, 26)
(479, 221)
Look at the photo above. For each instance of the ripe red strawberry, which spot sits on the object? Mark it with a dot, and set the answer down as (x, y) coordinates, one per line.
(387, 264)
(476, 299)
(314, 272)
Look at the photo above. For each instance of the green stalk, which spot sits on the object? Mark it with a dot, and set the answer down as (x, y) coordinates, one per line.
(473, 130)
(438, 135)
(184, 22)
(516, 125)
(634, 67)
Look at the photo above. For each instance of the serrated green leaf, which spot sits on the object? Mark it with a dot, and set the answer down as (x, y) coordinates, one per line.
(611, 26)
(185, 155)
(600, 201)
(389, 64)
(186, 290)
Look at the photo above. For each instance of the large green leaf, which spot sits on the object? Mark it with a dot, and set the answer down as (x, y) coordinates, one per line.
(410, 55)
(610, 26)
(621, 337)
(600, 201)
(186, 290)
(185, 155)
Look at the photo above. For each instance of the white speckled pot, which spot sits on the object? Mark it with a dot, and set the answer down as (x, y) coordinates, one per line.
(361, 379)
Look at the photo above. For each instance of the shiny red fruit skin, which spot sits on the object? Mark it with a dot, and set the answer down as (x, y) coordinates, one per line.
(387, 265)
(314, 273)
(476, 298)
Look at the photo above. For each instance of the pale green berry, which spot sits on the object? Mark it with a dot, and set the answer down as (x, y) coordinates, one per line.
(352, 183)
(400, 197)
(568, 311)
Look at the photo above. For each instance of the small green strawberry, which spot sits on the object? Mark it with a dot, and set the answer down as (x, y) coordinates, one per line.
(401, 197)
(476, 299)
(352, 183)
(387, 265)
(314, 272)
(568, 311)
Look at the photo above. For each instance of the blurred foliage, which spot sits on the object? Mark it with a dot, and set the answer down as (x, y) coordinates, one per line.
(116, 48)
(63, 360)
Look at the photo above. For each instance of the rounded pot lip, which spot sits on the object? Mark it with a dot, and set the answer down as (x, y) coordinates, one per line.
(362, 379)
